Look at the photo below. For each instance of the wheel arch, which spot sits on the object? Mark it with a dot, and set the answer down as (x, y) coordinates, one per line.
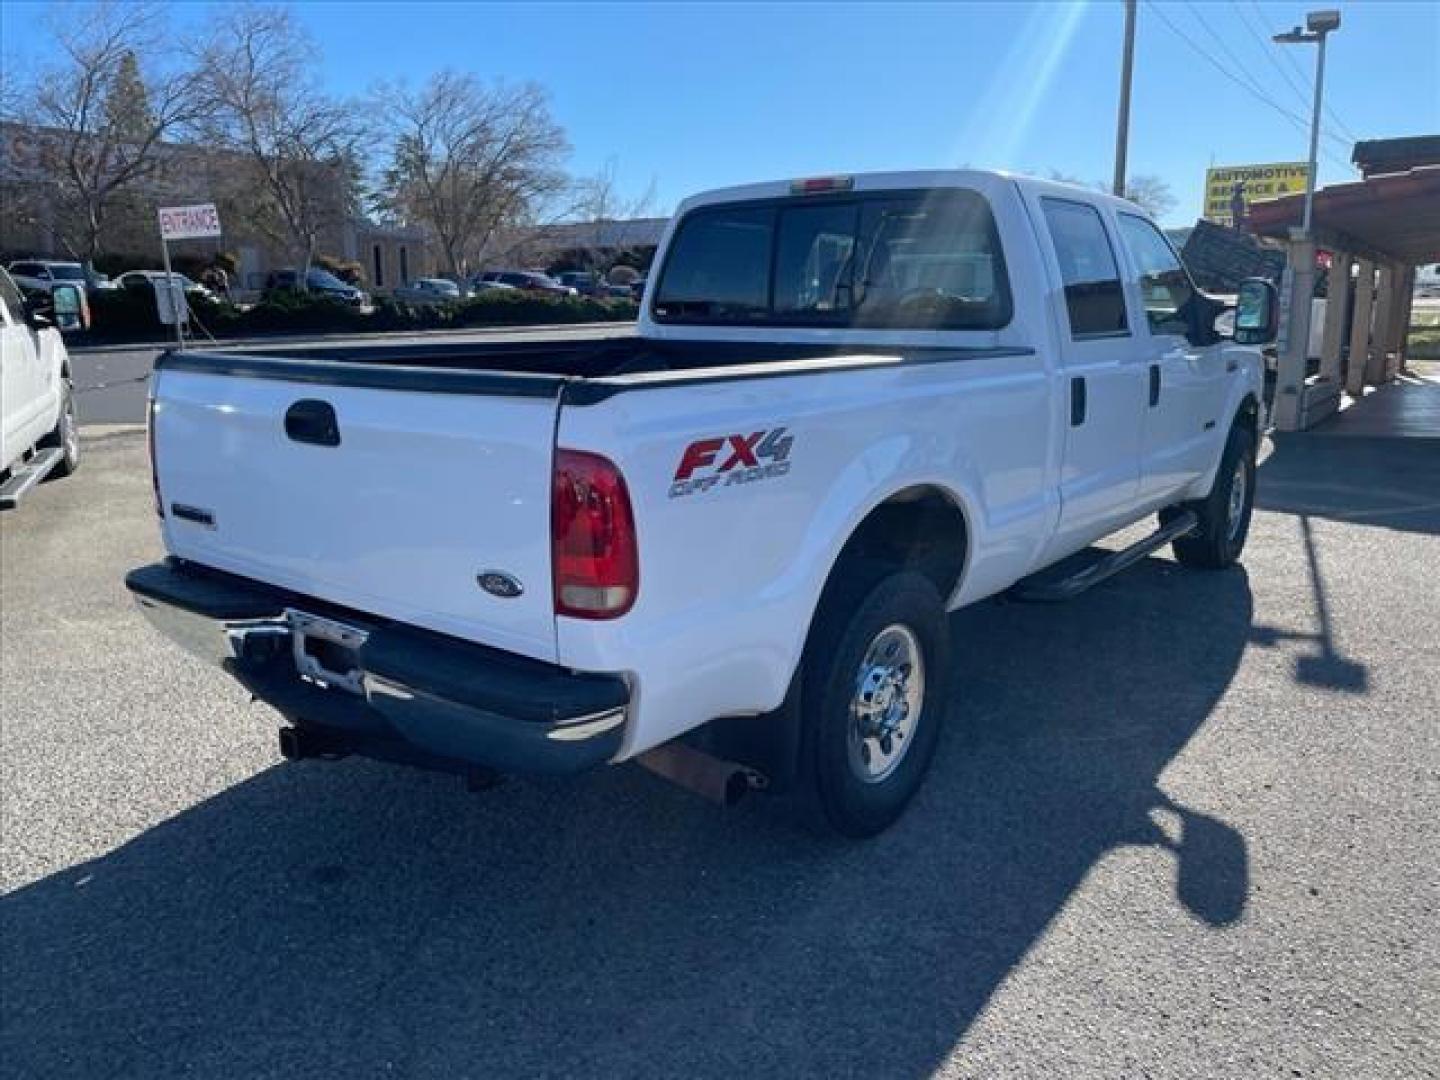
(922, 526)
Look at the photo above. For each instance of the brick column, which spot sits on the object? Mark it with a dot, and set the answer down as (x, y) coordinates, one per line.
(1360, 329)
(1400, 330)
(1337, 306)
(1381, 341)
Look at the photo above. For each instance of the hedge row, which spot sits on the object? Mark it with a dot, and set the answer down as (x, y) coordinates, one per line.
(127, 314)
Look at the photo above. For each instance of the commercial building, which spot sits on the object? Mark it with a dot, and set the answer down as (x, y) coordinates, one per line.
(36, 220)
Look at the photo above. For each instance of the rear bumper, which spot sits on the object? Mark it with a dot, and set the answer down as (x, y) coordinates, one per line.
(417, 696)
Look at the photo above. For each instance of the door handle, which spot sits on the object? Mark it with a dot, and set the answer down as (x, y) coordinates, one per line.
(1077, 401)
(312, 421)
(1154, 385)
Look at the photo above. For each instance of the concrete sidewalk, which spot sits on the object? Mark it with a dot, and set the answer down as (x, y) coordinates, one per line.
(1407, 408)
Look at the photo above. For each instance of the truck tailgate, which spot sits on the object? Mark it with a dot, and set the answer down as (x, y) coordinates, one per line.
(396, 512)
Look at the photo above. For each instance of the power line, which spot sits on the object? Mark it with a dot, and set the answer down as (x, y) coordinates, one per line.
(1295, 67)
(1258, 33)
(1240, 68)
(1298, 121)
(1255, 86)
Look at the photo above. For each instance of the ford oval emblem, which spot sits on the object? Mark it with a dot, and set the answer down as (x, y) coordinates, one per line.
(498, 583)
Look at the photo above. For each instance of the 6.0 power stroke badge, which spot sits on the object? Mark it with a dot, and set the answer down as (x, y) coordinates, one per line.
(732, 459)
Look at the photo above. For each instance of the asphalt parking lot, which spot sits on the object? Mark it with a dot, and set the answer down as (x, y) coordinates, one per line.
(1184, 826)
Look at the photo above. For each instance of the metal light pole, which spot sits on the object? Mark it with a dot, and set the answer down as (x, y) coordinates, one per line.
(1288, 398)
(1122, 128)
(1319, 25)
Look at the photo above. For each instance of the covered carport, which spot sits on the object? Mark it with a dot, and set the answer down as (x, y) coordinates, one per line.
(1378, 231)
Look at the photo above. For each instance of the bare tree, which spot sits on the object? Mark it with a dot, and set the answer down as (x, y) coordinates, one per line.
(104, 124)
(600, 203)
(1151, 193)
(305, 147)
(469, 160)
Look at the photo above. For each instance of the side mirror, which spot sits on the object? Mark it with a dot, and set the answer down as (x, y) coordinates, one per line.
(1257, 312)
(69, 310)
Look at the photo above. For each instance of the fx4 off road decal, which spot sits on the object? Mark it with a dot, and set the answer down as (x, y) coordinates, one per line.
(732, 459)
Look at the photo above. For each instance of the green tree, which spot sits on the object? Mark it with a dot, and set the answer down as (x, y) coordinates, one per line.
(127, 104)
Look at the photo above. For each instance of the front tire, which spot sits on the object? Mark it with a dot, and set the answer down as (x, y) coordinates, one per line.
(66, 434)
(874, 697)
(1225, 513)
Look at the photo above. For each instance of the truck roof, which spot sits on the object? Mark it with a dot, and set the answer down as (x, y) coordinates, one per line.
(909, 180)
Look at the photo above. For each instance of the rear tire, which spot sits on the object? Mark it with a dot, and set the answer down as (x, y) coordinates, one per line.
(874, 696)
(1225, 513)
(66, 434)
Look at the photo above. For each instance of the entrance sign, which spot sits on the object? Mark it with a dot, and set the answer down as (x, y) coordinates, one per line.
(189, 222)
(181, 223)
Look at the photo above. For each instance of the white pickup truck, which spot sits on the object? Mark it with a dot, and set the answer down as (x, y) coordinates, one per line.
(38, 435)
(724, 546)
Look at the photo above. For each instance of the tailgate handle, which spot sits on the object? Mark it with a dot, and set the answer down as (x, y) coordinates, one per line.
(312, 421)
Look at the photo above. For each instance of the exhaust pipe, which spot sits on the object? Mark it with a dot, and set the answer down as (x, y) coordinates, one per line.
(298, 743)
(720, 781)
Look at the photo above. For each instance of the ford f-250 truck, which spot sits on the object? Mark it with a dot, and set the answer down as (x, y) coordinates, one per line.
(724, 546)
(38, 434)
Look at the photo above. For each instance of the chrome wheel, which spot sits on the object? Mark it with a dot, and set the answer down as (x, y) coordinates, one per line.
(885, 707)
(1235, 510)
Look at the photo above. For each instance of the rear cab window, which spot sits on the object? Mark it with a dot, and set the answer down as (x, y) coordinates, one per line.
(922, 260)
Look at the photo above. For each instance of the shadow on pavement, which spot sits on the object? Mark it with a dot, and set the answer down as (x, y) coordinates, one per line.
(354, 919)
(1391, 483)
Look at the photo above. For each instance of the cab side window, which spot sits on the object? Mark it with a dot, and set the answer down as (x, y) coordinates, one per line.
(1165, 287)
(1093, 295)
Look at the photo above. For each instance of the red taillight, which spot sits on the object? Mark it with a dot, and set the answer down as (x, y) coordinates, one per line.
(819, 185)
(150, 446)
(592, 538)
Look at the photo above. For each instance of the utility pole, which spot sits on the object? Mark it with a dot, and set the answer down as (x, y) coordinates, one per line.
(1122, 127)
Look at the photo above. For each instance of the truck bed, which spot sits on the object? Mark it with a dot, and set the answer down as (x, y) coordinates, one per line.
(587, 358)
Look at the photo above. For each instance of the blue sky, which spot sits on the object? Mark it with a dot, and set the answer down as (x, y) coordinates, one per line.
(698, 95)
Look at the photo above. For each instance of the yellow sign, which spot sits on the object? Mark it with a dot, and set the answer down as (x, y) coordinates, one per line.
(1234, 187)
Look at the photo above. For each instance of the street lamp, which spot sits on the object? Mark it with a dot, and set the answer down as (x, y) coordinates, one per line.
(1289, 396)
(1318, 25)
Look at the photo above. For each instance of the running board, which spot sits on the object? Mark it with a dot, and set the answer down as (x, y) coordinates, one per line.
(26, 476)
(1045, 587)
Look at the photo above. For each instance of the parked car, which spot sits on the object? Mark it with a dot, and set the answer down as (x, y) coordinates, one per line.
(38, 434)
(41, 275)
(725, 546)
(616, 292)
(583, 282)
(479, 285)
(528, 281)
(318, 281)
(141, 279)
(431, 291)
